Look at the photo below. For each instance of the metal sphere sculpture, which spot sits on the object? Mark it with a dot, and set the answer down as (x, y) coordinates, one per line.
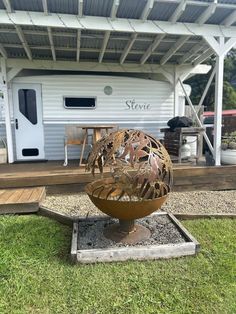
(141, 177)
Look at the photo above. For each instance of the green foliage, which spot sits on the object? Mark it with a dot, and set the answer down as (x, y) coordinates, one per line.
(37, 277)
(198, 83)
(229, 141)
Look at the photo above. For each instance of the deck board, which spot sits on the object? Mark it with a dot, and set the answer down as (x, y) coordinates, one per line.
(186, 177)
(21, 200)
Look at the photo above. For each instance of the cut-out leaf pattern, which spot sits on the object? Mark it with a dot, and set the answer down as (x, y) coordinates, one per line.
(140, 165)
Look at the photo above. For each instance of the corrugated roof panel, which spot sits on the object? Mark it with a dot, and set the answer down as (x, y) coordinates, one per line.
(16, 53)
(63, 41)
(133, 58)
(66, 55)
(164, 46)
(191, 13)
(162, 11)
(24, 5)
(116, 44)
(37, 40)
(89, 55)
(186, 47)
(111, 57)
(130, 9)
(41, 53)
(91, 43)
(97, 7)
(219, 16)
(33, 28)
(6, 26)
(141, 45)
(62, 6)
(9, 38)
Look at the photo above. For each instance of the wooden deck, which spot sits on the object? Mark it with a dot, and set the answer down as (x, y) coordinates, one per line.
(59, 178)
(21, 199)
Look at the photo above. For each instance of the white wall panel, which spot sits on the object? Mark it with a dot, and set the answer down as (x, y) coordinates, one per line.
(110, 109)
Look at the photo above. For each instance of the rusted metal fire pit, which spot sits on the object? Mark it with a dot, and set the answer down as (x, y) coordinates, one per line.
(141, 178)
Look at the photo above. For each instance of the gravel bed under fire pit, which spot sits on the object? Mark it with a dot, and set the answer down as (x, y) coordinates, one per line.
(200, 202)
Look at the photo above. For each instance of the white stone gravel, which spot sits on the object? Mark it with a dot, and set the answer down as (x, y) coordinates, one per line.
(199, 202)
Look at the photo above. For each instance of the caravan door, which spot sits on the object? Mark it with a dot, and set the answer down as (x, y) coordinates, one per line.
(27, 103)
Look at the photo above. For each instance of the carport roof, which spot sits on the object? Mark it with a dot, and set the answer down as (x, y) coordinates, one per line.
(116, 31)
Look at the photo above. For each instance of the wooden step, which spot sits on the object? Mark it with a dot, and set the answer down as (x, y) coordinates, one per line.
(22, 200)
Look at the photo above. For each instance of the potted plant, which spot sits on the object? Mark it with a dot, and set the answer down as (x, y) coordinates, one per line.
(228, 149)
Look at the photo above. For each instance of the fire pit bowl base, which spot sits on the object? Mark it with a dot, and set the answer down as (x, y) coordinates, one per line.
(116, 233)
(168, 239)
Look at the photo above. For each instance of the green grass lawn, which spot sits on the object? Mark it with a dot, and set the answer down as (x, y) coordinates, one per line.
(37, 277)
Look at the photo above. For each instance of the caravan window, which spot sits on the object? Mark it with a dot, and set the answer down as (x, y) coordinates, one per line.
(80, 102)
(27, 104)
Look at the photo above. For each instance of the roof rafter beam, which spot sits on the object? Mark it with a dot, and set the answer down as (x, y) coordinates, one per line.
(114, 9)
(104, 45)
(192, 51)
(151, 48)
(23, 41)
(179, 43)
(207, 54)
(128, 48)
(207, 13)
(3, 51)
(45, 6)
(147, 9)
(49, 30)
(7, 5)
(51, 43)
(80, 8)
(178, 12)
(106, 37)
(230, 19)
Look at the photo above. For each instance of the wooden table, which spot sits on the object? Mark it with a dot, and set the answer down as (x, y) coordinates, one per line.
(97, 129)
(97, 133)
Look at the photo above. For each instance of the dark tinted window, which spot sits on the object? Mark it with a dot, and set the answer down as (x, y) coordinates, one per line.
(27, 104)
(80, 102)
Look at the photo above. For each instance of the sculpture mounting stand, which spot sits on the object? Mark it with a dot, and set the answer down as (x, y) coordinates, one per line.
(127, 232)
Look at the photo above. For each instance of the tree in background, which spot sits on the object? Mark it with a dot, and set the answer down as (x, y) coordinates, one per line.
(198, 84)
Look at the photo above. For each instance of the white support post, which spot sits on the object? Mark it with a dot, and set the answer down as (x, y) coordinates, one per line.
(7, 111)
(176, 94)
(218, 108)
(78, 45)
(221, 49)
(196, 116)
(206, 89)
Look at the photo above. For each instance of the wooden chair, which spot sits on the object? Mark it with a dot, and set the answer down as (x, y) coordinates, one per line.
(75, 136)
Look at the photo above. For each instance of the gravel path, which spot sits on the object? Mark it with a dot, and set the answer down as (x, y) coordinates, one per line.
(188, 202)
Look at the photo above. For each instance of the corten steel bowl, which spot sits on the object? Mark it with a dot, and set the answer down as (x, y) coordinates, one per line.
(124, 210)
(141, 178)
